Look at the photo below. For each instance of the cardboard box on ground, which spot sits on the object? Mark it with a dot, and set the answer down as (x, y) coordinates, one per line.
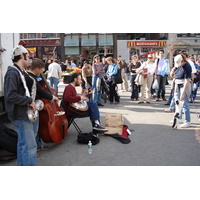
(114, 123)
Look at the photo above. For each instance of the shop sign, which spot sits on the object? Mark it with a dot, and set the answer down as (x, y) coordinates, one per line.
(71, 42)
(49, 42)
(105, 41)
(146, 43)
(88, 42)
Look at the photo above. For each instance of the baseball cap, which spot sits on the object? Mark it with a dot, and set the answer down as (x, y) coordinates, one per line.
(18, 50)
(177, 60)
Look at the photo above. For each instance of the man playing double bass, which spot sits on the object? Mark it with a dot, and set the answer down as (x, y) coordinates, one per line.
(70, 96)
(37, 66)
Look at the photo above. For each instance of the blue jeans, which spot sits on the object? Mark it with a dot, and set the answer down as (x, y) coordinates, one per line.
(54, 83)
(26, 144)
(35, 129)
(96, 96)
(194, 92)
(186, 107)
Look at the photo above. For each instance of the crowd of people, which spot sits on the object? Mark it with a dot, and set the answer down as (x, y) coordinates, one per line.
(22, 88)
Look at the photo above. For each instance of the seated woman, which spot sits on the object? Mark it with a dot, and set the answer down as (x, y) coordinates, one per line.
(70, 96)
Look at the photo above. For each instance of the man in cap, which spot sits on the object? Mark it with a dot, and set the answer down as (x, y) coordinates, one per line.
(17, 101)
(182, 89)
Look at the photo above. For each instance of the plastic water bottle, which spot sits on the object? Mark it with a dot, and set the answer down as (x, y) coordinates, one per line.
(89, 147)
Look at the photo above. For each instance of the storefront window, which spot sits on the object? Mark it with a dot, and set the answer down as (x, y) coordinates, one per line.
(48, 35)
(31, 35)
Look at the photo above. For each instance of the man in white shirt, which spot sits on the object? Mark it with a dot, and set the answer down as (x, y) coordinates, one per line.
(54, 74)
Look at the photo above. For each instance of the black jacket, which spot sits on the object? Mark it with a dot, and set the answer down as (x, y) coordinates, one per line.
(41, 93)
(16, 101)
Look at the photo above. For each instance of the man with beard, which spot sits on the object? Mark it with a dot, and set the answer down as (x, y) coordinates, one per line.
(70, 96)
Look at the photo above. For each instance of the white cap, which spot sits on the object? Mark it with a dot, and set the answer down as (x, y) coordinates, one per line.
(18, 50)
(177, 60)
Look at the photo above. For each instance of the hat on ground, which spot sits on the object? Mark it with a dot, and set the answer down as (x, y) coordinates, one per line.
(18, 50)
(177, 60)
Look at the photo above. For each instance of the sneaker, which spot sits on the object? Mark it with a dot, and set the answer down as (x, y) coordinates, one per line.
(185, 125)
(99, 104)
(157, 99)
(99, 128)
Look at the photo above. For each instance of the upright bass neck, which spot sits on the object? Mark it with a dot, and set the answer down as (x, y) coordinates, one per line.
(46, 83)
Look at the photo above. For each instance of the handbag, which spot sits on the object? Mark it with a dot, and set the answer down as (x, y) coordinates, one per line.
(117, 78)
(196, 77)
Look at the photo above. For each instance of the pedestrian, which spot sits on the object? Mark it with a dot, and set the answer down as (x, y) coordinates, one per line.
(86, 75)
(162, 71)
(54, 74)
(70, 96)
(47, 63)
(82, 59)
(195, 84)
(105, 64)
(112, 70)
(133, 66)
(171, 100)
(72, 64)
(182, 89)
(17, 102)
(98, 72)
(123, 67)
(147, 70)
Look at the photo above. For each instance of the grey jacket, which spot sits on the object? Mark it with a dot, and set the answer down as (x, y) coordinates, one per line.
(14, 95)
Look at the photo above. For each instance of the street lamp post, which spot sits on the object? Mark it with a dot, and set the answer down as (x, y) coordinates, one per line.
(104, 44)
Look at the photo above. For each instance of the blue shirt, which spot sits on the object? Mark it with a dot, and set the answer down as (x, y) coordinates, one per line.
(183, 72)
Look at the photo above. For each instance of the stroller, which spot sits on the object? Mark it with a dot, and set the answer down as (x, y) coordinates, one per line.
(105, 89)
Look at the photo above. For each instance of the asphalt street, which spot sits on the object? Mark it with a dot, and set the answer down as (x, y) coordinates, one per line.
(153, 141)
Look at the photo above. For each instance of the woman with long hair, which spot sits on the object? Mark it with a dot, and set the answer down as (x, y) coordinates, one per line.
(112, 70)
(98, 71)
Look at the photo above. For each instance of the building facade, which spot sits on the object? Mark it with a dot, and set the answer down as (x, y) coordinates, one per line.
(42, 45)
(71, 45)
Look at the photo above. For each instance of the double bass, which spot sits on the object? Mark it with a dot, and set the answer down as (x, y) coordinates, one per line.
(53, 123)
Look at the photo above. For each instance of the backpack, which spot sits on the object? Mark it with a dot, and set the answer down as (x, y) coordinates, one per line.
(84, 138)
(8, 139)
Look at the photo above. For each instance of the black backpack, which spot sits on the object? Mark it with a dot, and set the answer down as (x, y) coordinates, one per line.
(8, 139)
(84, 138)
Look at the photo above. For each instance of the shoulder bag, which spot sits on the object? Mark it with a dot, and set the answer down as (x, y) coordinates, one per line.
(117, 78)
